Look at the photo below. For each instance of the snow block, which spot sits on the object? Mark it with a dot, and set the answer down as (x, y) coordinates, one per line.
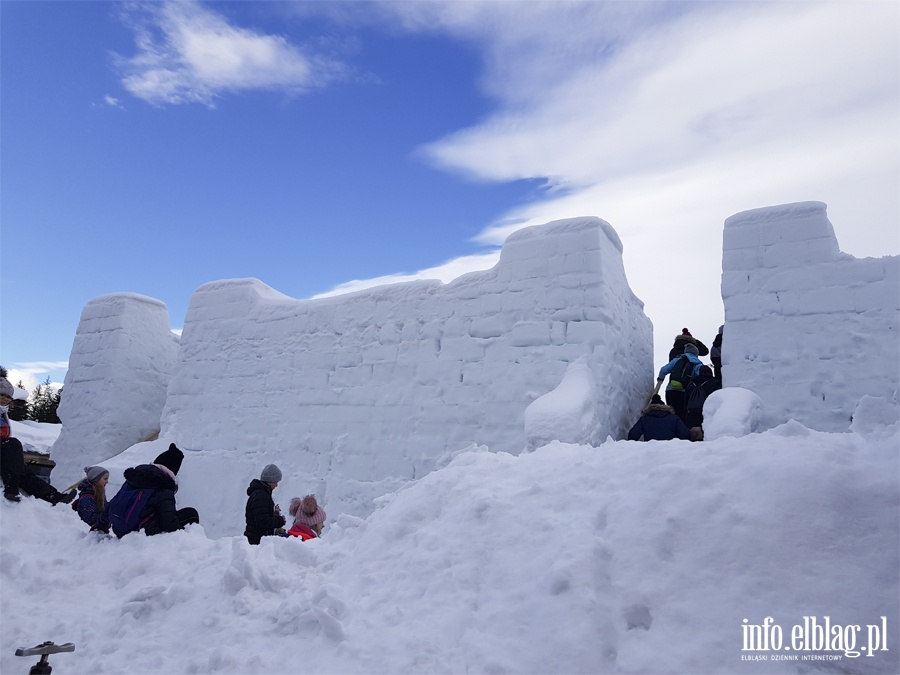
(808, 328)
(115, 388)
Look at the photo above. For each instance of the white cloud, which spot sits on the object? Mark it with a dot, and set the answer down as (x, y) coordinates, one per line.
(662, 118)
(665, 119)
(188, 54)
(703, 84)
(33, 373)
(445, 273)
(531, 45)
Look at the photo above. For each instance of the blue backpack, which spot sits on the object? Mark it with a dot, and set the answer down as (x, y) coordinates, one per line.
(125, 509)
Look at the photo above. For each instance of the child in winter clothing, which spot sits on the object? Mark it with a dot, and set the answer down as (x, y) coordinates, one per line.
(13, 470)
(704, 384)
(658, 423)
(686, 339)
(715, 354)
(92, 495)
(675, 390)
(262, 514)
(159, 514)
(309, 518)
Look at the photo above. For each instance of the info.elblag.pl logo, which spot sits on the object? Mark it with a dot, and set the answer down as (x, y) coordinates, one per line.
(813, 639)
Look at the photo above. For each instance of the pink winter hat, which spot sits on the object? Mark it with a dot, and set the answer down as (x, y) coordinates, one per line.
(307, 511)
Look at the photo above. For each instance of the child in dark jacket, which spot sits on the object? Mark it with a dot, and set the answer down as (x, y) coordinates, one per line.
(92, 495)
(715, 354)
(159, 513)
(704, 384)
(686, 339)
(15, 473)
(263, 516)
(659, 423)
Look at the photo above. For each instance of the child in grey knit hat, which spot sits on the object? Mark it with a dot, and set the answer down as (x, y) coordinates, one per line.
(262, 515)
(92, 495)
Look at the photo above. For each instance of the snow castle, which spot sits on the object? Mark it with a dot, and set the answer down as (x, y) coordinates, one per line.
(382, 384)
(373, 388)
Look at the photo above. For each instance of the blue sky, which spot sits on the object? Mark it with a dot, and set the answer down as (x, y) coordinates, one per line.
(153, 147)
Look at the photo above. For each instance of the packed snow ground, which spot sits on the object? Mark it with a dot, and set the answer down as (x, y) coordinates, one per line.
(623, 558)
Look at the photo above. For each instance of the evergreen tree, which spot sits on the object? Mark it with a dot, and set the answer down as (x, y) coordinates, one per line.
(18, 410)
(43, 404)
(35, 403)
(56, 398)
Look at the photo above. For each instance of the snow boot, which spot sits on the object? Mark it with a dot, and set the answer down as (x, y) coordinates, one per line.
(55, 497)
(11, 488)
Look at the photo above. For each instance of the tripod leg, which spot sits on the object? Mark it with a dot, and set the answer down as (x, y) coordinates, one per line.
(42, 667)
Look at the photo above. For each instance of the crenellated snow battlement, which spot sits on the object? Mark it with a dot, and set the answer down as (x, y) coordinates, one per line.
(808, 328)
(380, 386)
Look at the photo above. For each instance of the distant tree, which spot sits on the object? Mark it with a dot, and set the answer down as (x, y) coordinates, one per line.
(18, 410)
(57, 397)
(43, 404)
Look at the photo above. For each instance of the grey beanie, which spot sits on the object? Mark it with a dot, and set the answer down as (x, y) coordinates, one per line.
(691, 349)
(7, 388)
(94, 473)
(271, 474)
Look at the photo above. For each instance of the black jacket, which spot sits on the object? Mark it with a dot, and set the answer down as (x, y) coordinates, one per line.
(659, 423)
(159, 513)
(681, 341)
(260, 512)
(704, 385)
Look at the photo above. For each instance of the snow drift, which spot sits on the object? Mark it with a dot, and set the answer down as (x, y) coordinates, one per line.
(624, 558)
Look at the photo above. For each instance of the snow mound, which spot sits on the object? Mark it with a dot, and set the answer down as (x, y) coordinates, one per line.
(876, 417)
(568, 413)
(731, 411)
(625, 558)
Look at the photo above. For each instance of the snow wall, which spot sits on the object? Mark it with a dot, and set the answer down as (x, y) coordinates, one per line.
(382, 385)
(808, 328)
(356, 394)
(122, 359)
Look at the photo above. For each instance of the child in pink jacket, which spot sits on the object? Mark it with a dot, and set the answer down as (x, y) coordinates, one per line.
(309, 518)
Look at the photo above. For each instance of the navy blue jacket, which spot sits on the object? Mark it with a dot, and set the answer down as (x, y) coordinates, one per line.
(86, 504)
(159, 513)
(659, 423)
